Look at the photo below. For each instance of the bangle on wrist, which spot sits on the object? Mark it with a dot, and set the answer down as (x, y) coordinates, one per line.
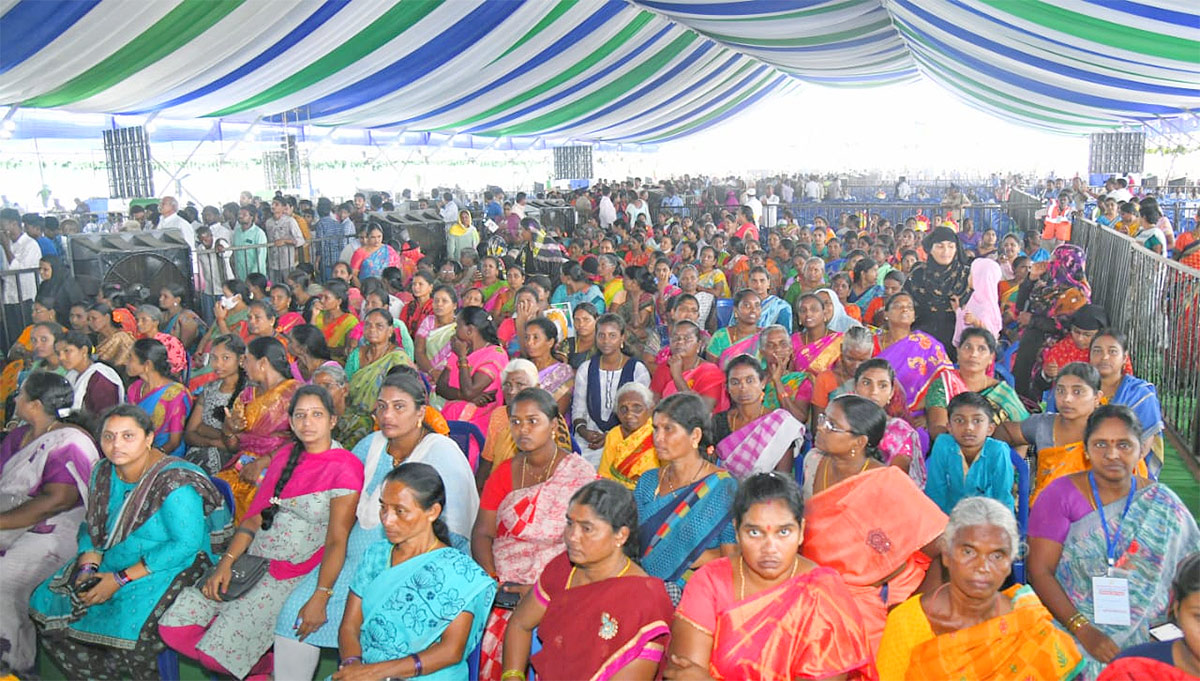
(349, 661)
(122, 578)
(327, 590)
(420, 668)
(1076, 622)
(513, 674)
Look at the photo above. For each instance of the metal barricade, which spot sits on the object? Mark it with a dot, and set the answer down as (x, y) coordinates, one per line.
(1156, 302)
(18, 313)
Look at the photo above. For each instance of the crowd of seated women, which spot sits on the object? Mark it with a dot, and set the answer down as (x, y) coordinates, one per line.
(628, 458)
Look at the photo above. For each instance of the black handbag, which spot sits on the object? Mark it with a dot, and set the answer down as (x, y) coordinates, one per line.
(245, 572)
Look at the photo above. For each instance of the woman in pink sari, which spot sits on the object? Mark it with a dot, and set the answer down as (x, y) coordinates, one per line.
(522, 513)
(471, 383)
(740, 337)
(816, 346)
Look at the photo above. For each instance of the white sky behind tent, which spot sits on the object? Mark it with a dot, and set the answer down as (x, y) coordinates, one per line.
(917, 129)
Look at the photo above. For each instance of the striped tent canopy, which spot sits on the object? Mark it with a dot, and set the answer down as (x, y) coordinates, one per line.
(645, 71)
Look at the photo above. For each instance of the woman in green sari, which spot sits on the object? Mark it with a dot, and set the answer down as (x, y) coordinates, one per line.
(432, 341)
(496, 291)
(976, 352)
(366, 367)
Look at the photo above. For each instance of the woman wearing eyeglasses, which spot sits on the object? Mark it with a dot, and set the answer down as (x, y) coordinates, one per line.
(863, 518)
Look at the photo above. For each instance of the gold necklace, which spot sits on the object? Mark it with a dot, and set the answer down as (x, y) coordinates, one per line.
(829, 464)
(658, 491)
(545, 473)
(742, 575)
(628, 564)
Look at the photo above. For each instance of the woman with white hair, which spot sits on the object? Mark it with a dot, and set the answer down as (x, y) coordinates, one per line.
(629, 445)
(498, 444)
(968, 627)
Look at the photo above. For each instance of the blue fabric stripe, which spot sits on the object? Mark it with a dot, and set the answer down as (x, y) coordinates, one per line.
(729, 63)
(569, 40)
(712, 102)
(31, 25)
(1137, 63)
(645, 90)
(431, 55)
(296, 35)
(1149, 12)
(740, 8)
(573, 89)
(749, 101)
(1033, 85)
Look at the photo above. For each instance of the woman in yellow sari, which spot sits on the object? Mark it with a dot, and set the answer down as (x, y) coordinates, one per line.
(629, 446)
(334, 318)
(968, 628)
(258, 425)
(712, 280)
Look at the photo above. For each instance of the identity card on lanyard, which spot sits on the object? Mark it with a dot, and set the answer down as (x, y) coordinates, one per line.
(1110, 593)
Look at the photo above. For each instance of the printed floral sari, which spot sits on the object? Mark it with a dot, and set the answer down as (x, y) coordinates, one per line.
(267, 429)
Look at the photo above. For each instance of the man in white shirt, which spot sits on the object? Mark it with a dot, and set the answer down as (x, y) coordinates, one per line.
(607, 211)
(786, 192)
(518, 206)
(638, 206)
(284, 237)
(449, 209)
(771, 208)
(1121, 193)
(755, 205)
(21, 252)
(903, 190)
(169, 218)
(812, 189)
(595, 414)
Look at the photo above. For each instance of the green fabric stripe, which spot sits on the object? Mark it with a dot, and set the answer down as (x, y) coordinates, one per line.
(805, 41)
(401, 17)
(975, 86)
(793, 15)
(719, 111)
(611, 45)
(552, 16)
(1101, 31)
(604, 95)
(179, 27)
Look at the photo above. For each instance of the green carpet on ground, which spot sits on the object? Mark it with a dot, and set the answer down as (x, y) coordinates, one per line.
(1176, 475)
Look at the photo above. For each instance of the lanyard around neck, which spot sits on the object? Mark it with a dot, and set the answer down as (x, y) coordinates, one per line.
(1112, 541)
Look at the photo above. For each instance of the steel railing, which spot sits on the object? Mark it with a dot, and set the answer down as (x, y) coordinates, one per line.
(1156, 302)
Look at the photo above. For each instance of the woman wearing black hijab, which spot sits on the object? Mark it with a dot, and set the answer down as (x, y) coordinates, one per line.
(58, 284)
(935, 283)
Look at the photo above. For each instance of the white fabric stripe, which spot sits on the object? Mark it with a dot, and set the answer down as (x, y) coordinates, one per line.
(249, 26)
(94, 38)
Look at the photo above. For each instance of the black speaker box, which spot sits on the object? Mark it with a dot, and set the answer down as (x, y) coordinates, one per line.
(150, 258)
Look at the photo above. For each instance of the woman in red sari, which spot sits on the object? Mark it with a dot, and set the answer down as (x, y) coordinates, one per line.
(685, 370)
(598, 614)
(769, 613)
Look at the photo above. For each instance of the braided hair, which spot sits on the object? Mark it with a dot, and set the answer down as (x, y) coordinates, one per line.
(297, 450)
(237, 347)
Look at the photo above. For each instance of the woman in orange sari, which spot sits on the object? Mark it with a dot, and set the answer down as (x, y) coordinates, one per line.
(815, 345)
(769, 613)
(258, 426)
(865, 519)
(968, 628)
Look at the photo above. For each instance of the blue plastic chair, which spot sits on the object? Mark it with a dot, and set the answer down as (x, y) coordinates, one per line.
(168, 664)
(468, 438)
(724, 312)
(1021, 466)
(226, 492)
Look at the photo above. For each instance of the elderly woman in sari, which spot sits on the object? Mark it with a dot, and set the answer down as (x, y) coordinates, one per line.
(740, 337)
(629, 445)
(969, 628)
(167, 401)
(471, 387)
(836, 315)
(257, 425)
(594, 405)
(683, 506)
(976, 354)
(865, 519)
(498, 444)
(153, 524)
(415, 549)
(815, 345)
(557, 378)
(838, 379)
(1177, 660)
(522, 511)
(596, 580)
(431, 342)
(334, 318)
(769, 612)
(751, 438)
(685, 370)
(898, 342)
(1108, 529)
(299, 521)
(366, 368)
(784, 388)
(44, 468)
(901, 446)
